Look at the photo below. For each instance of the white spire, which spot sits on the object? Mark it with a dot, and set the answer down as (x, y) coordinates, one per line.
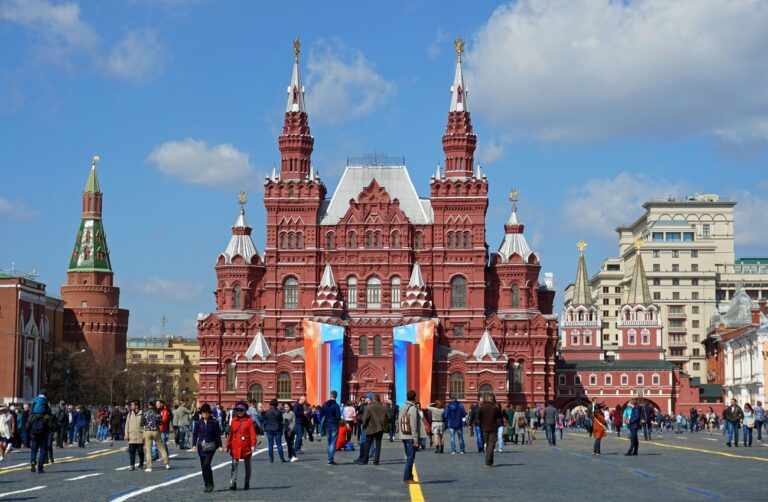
(438, 175)
(417, 281)
(296, 89)
(311, 175)
(240, 243)
(258, 347)
(458, 89)
(486, 347)
(274, 173)
(328, 280)
(479, 172)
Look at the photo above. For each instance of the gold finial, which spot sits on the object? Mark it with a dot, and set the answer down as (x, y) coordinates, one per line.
(514, 195)
(581, 245)
(242, 199)
(638, 243)
(459, 43)
(94, 160)
(296, 49)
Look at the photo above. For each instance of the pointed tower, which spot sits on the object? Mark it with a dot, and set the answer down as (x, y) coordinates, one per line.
(93, 317)
(580, 323)
(639, 324)
(296, 141)
(239, 268)
(416, 301)
(459, 140)
(327, 301)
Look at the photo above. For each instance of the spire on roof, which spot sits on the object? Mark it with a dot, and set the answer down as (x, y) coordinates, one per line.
(438, 174)
(328, 280)
(486, 347)
(416, 298)
(417, 281)
(581, 292)
(458, 89)
(327, 297)
(258, 347)
(241, 243)
(274, 173)
(479, 172)
(92, 185)
(296, 89)
(514, 240)
(311, 176)
(639, 293)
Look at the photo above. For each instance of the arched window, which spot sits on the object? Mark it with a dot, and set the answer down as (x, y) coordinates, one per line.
(645, 337)
(449, 242)
(256, 393)
(284, 386)
(608, 380)
(373, 293)
(458, 292)
(283, 241)
(574, 337)
(363, 349)
(467, 239)
(300, 241)
(457, 385)
(485, 392)
(458, 190)
(369, 239)
(632, 337)
(290, 191)
(352, 292)
(231, 378)
(395, 241)
(624, 379)
(516, 375)
(352, 240)
(291, 293)
(236, 296)
(377, 345)
(587, 337)
(396, 292)
(419, 240)
(640, 379)
(377, 240)
(593, 379)
(515, 296)
(291, 240)
(655, 379)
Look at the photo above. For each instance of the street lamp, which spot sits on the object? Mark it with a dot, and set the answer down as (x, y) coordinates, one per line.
(66, 381)
(111, 391)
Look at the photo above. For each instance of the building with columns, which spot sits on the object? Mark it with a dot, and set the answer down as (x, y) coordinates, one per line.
(372, 256)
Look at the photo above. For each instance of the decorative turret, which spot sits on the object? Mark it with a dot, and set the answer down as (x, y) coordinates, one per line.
(327, 299)
(486, 348)
(581, 324)
(258, 348)
(241, 244)
(296, 141)
(582, 295)
(416, 302)
(91, 252)
(459, 140)
(638, 293)
(514, 241)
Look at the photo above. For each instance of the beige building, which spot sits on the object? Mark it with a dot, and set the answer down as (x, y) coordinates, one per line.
(176, 358)
(689, 258)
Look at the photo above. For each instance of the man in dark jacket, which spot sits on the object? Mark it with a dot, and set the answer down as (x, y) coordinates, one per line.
(330, 414)
(376, 422)
(62, 419)
(454, 416)
(733, 415)
(488, 417)
(633, 426)
(301, 423)
(272, 420)
(393, 410)
(37, 426)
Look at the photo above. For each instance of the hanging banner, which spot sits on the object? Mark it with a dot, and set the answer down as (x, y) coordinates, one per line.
(323, 358)
(414, 348)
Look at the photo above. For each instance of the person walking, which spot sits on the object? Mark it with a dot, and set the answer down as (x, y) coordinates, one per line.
(116, 424)
(454, 419)
(330, 414)
(375, 421)
(618, 420)
(438, 423)
(393, 410)
(759, 420)
(520, 425)
(272, 421)
(748, 424)
(647, 421)
(289, 431)
(205, 440)
(550, 420)
(633, 425)
(37, 426)
(410, 434)
(488, 417)
(166, 423)
(134, 434)
(302, 424)
(711, 420)
(150, 420)
(599, 425)
(62, 421)
(183, 417)
(241, 443)
(81, 426)
(733, 415)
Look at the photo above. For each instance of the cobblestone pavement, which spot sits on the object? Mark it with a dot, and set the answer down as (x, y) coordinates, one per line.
(670, 467)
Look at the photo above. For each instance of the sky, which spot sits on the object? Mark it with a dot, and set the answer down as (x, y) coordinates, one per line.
(587, 107)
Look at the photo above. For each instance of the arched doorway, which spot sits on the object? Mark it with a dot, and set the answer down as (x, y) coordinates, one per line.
(256, 393)
(485, 392)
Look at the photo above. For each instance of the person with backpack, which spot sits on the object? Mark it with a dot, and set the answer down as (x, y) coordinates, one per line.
(454, 417)
(241, 443)
(410, 434)
(38, 426)
(519, 424)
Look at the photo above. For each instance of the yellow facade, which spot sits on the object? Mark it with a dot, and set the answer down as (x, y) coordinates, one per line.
(176, 358)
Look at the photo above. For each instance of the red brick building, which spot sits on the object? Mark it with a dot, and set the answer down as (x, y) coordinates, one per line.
(93, 318)
(373, 256)
(638, 367)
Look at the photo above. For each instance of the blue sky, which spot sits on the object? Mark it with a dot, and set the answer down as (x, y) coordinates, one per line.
(588, 107)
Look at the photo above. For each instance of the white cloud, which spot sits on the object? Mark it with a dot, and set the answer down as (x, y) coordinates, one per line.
(435, 47)
(489, 150)
(750, 219)
(601, 205)
(596, 69)
(15, 211)
(171, 291)
(195, 161)
(342, 84)
(138, 57)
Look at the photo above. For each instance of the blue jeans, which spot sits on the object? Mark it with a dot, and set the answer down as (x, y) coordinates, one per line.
(747, 435)
(299, 430)
(460, 433)
(333, 433)
(38, 445)
(479, 437)
(410, 458)
(733, 430)
(183, 432)
(759, 427)
(272, 438)
(363, 437)
(551, 439)
(596, 449)
(81, 432)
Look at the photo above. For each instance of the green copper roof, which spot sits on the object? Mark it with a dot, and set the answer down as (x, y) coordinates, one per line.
(752, 261)
(92, 185)
(91, 252)
(581, 292)
(645, 364)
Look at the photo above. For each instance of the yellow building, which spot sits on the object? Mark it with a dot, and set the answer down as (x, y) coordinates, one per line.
(166, 368)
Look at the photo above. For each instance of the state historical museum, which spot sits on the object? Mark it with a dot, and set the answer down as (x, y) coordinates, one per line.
(369, 260)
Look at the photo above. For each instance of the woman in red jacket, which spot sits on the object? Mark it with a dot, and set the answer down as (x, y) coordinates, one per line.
(599, 426)
(241, 442)
(617, 420)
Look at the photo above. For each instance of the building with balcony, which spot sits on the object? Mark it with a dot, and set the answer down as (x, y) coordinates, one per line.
(176, 358)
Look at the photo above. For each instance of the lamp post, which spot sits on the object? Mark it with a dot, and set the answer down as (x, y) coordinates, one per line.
(111, 392)
(66, 380)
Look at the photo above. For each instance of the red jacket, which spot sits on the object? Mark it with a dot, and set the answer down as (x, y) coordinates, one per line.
(241, 438)
(165, 419)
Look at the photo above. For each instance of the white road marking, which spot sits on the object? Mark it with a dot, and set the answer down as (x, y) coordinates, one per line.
(148, 489)
(22, 491)
(85, 476)
(128, 466)
(98, 451)
(14, 466)
(681, 437)
(711, 439)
